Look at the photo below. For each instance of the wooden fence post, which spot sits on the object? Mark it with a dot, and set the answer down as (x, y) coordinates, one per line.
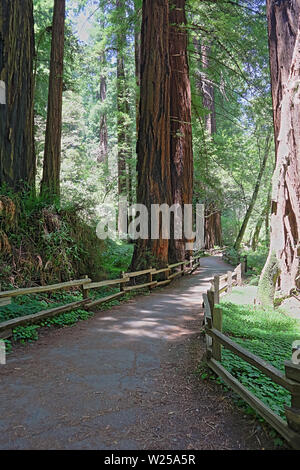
(229, 282)
(122, 283)
(211, 301)
(292, 372)
(182, 269)
(191, 262)
(216, 289)
(150, 278)
(217, 325)
(85, 292)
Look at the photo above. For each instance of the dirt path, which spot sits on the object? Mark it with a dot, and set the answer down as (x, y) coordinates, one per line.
(125, 379)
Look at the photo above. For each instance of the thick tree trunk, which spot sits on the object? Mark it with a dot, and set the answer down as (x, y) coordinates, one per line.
(282, 25)
(242, 231)
(283, 261)
(181, 128)
(17, 156)
(153, 147)
(50, 185)
(208, 93)
(212, 227)
(137, 52)
(122, 126)
(103, 144)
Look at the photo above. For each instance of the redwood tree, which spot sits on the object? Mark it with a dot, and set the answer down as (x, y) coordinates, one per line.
(153, 146)
(17, 156)
(282, 265)
(282, 27)
(212, 222)
(103, 134)
(181, 149)
(50, 184)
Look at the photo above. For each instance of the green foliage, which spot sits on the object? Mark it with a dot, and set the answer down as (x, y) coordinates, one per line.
(256, 259)
(117, 257)
(232, 256)
(268, 334)
(25, 333)
(49, 243)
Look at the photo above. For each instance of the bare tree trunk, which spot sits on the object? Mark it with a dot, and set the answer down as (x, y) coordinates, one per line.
(241, 233)
(153, 147)
(122, 126)
(50, 185)
(282, 25)
(103, 144)
(181, 127)
(137, 50)
(208, 93)
(283, 261)
(212, 227)
(17, 155)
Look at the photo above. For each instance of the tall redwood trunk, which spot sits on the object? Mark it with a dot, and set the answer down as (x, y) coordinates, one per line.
(208, 92)
(17, 156)
(103, 144)
(282, 265)
(181, 150)
(50, 184)
(212, 224)
(212, 227)
(153, 147)
(282, 25)
(137, 53)
(122, 126)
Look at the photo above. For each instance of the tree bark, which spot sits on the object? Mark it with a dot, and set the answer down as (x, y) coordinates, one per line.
(282, 26)
(17, 155)
(137, 54)
(103, 144)
(282, 265)
(181, 127)
(212, 227)
(212, 224)
(50, 185)
(122, 126)
(153, 146)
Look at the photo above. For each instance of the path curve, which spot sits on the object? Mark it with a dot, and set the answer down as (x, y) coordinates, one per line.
(124, 380)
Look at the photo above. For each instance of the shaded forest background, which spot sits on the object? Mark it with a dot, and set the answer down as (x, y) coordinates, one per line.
(46, 238)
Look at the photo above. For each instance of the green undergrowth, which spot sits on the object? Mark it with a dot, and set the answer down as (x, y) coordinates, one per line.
(267, 333)
(44, 243)
(255, 261)
(116, 257)
(31, 304)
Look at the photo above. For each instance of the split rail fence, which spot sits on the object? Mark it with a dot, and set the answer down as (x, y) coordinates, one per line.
(126, 284)
(215, 340)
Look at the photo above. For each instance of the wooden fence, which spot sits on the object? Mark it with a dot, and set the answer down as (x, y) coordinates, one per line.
(215, 340)
(126, 283)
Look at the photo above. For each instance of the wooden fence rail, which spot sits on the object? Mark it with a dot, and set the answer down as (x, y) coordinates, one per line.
(215, 340)
(86, 285)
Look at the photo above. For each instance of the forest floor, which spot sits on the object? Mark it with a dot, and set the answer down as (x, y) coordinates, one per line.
(125, 379)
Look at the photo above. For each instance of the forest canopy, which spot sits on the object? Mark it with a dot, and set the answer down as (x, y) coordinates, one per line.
(177, 102)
